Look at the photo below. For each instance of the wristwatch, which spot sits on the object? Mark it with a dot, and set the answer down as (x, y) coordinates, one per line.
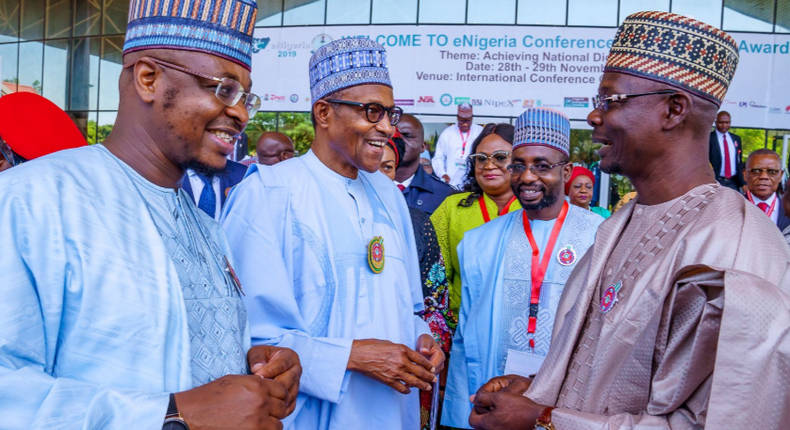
(173, 419)
(544, 421)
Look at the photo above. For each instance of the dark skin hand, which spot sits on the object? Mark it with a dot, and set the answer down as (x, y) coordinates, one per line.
(504, 411)
(234, 401)
(280, 364)
(398, 366)
(446, 178)
(514, 384)
(257, 401)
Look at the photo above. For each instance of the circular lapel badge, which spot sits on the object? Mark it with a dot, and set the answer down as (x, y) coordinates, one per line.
(566, 256)
(609, 298)
(376, 254)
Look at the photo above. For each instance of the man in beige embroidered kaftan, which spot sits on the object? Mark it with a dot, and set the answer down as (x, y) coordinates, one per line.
(679, 315)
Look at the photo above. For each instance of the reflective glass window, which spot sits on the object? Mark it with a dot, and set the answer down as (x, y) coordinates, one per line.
(87, 18)
(707, 11)
(782, 16)
(399, 12)
(304, 12)
(104, 125)
(627, 7)
(86, 122)
(56, 60)
(85, 54)
(8, 73)
(31, 56)
(9, 20)
(270, 13)
(110, 70)
(752, 15)
(58, 18)
(442, 11)
(541, 12)
(116, 14)
(491, 12)
(593, 12)
(33, 19)
(348, 12)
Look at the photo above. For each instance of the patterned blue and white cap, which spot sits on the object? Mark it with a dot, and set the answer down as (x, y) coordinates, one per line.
(540, 126)
(218, 27)
(346, 63)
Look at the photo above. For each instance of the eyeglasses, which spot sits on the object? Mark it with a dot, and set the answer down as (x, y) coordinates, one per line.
(759, 172)
(602, 102)
(9, 155)
(498, 158)
(374, 112)
(229, 91)
(539, 169)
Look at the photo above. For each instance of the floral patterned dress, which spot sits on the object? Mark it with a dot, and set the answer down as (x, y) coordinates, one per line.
(437, 312)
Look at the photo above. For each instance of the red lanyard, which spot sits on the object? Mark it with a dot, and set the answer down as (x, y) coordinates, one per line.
(484, 210)
(464, 140)
(539, 267)
(773, 204)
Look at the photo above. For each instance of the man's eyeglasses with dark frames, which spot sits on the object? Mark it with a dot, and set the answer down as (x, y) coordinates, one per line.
(602, 102)
(229, 91)
(539, 169)
(374, 112)
(498, 158)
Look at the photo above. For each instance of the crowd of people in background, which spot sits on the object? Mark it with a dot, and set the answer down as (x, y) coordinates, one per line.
(149, 282)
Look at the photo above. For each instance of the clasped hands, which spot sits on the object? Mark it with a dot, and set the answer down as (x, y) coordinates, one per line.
(396, 365)
(500, 404)
(257, 401)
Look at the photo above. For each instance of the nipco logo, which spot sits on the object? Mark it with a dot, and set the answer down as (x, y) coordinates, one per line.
(446, 99)
(294, 98)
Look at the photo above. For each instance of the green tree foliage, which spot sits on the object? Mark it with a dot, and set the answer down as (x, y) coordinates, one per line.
(752, 139)
(296, 125)
(97, 133)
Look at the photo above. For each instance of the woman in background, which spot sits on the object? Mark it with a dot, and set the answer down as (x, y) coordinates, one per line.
(580, 191)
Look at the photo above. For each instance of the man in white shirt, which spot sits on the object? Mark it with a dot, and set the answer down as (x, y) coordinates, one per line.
(726, 146)
(454, 145)
(212, 201)
(763, 174)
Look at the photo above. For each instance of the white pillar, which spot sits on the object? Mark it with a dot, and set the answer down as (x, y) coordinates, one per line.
(603, 191)
(784, 154)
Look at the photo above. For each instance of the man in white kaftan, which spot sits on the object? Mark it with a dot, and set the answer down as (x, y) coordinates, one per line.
(494, 334)
(454, 146)
(304, 233)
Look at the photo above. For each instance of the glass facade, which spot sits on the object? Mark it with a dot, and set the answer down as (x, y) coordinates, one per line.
(70, 50)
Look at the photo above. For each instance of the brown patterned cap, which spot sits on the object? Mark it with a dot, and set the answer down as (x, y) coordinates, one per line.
(465, 110)
(676, 50)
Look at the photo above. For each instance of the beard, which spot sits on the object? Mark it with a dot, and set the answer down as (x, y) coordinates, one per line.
(202, 169)
(548, 198)
(546, 201)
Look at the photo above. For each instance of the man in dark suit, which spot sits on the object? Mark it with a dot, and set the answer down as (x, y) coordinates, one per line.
(724, 145)
(763, 175)
(206, 198)
(422, 190)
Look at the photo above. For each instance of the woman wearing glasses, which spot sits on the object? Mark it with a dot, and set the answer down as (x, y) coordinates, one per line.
(485, 196)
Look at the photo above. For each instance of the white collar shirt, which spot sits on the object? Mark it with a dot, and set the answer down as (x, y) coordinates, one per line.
(731, 148)
(197, 189)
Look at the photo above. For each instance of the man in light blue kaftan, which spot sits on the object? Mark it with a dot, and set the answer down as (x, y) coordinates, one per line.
(494, 335)
(107, 305)
(304, 231)
(118, 304)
